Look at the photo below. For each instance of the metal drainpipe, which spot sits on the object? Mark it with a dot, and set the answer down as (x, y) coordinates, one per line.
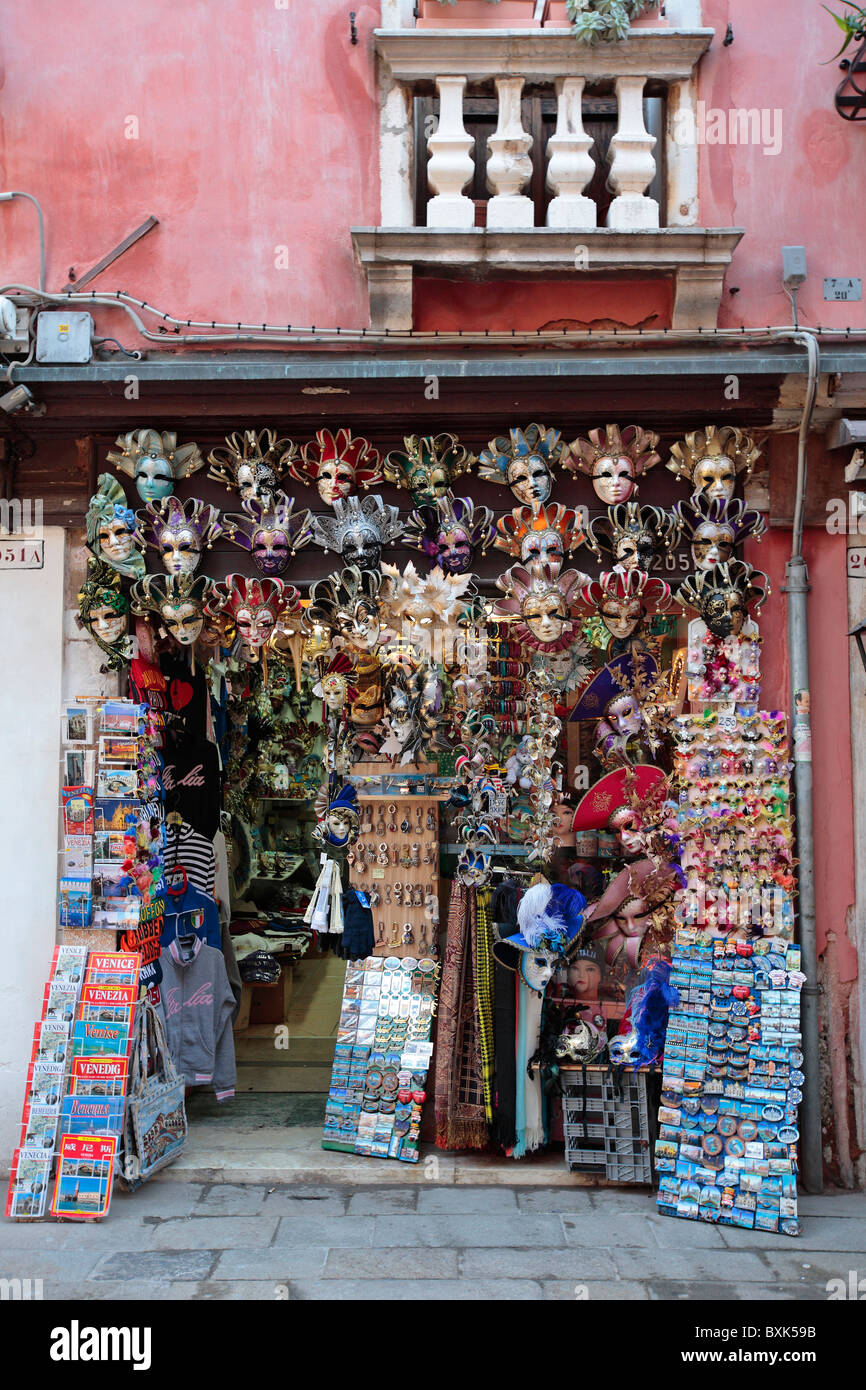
(797, 587)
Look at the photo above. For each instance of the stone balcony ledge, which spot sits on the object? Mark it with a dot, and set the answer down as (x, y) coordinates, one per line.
(539, 55)
(696, 257)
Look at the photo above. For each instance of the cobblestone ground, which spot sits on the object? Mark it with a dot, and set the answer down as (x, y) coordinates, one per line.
(185, 1240)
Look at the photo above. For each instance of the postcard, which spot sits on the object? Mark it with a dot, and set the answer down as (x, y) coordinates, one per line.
(28, 1186)
(77, 810)
(118, 781)
(82, 1188)
(77, 725)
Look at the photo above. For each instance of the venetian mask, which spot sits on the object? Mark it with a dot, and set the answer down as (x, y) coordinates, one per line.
(450, 533)
(523, 460)
(712, 545)
(632, 534)
(255, 605)
(722, 595)
(624, 715)
(180, 531)
(626, 822)
(251, 463)
(337, 465)
(153, 459)
(348, 604)
(270, 532)
(614, 461)
(358, 530)
(428, 466)
(715, 526)
(104, 610)
(339, 819)
(623, 597)
(539, 533)
(712, 459)
(335, 689)
(178, 600)
(112, 530)
(542, 598)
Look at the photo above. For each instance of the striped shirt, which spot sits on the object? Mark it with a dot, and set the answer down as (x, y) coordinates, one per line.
(193, 852)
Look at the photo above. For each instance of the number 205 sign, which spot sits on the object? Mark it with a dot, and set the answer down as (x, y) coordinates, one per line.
(22, 555)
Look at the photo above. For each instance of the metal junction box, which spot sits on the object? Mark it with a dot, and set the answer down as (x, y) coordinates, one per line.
(64, 337)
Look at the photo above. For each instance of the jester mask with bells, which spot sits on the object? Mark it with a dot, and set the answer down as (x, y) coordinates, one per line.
(542, 598)
(623, 598)
(539, 533)
(255, 606)
(358, 529)
(180, 531)
(112, 529)
(723, 595)
(614, 460)
(251, 463)
(335, 688)
(154, 461)
(450, 533)
(715, 527)
(712, 460)
(632, 534)
(523, 460)
(178, 600)
(104, 610)
(272, 532)
(428, 466)
(414, 704)
(337, 465)
(349, 605)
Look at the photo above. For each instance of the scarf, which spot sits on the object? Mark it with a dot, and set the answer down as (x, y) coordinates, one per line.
(484, 998)
(529, 1125)
(504, 1027)
(459, 1104)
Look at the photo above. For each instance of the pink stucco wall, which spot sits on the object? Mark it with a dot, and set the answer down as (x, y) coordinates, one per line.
(258, 128)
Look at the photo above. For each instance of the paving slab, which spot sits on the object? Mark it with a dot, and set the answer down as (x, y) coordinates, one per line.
(229, 1199)
(580, 1266)
(125, 1291)
(377, 1263)
(606, 1229)
(469, 1230)
(157, 1265)
(214, 1232)
(383, 1203)
(333, 1231)
(728, 1266)
(399, 1290)
(278, 1264)
(286, 1200)
(452, 1200)
(597, 1291)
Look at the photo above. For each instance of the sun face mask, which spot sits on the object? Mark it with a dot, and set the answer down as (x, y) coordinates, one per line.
(178, 601)
(632, 534)
(614, 460)
(104, 610)
(271, 532)
(180, 531)
(723, 595)
(428, 466)
(251, 463)
(715, 526)
(154, 461)
(112, 530)
(337, 465)
(542, 598)
(712, 459)
(523, 460)
(358, 530)
(450, 533)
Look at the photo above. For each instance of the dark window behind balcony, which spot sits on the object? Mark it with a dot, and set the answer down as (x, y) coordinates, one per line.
(539, 122)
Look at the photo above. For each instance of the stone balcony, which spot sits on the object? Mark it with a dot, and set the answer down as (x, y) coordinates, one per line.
(638, 234)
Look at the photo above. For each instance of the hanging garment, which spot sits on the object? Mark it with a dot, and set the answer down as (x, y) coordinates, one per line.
(185, 846)
(191, 781)
(505, 1073)
(199, 1008)
(483, 955)
(191, 912)
(529, 1125)
(460, 1112)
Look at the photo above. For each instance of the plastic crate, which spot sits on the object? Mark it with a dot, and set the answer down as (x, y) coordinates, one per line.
(606, 1127)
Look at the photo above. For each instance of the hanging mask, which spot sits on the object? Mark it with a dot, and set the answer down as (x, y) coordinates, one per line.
(251, 463)
(337, 465)
(632, 534)
(542, 600)
(112, 529)
(339, 818)
(178, 600)
(723, 595)
(428, 466)
(348, 605)
(104, 610)
(539, 533)
(335, 689)
(255, 606)
(614, 461)
(715, 526)
(271, 532)
(523, 460)
(450, 533)
(358, 530)
(623, 598)
(180, 531)
(153, 459)
(712, 459)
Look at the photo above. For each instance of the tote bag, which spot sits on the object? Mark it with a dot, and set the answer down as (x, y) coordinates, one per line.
(155, 1127)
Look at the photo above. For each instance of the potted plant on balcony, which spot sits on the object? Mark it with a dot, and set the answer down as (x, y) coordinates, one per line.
(602, 21)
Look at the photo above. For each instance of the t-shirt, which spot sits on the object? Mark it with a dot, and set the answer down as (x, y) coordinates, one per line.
(186, 692)
(191, 913)
(193, 852)
(191, 782)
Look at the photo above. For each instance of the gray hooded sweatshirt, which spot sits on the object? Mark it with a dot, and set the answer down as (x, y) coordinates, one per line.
(199, 1008)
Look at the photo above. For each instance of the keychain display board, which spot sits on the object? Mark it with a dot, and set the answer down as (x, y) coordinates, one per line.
(379, 1082)
(395, 862)
(731, 1085)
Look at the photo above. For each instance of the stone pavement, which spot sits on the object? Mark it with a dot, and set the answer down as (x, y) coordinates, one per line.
(188, 1240)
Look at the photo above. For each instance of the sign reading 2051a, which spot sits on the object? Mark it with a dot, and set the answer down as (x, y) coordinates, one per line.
(22, 555)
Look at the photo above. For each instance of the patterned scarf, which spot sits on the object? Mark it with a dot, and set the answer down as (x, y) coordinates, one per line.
(460, 1098)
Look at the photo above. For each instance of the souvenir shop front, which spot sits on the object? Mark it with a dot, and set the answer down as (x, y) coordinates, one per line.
(437, 782)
